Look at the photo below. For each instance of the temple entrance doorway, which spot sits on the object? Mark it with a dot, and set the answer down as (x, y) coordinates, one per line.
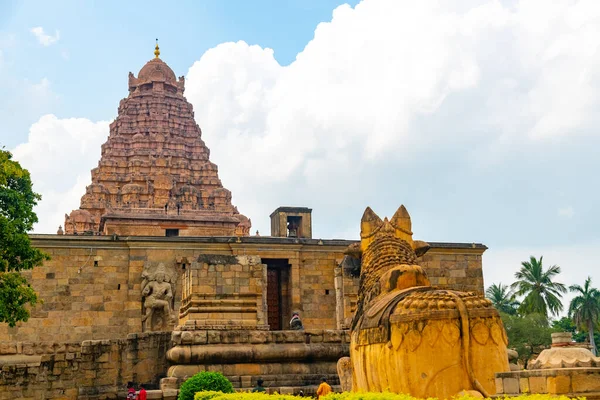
(278, 293)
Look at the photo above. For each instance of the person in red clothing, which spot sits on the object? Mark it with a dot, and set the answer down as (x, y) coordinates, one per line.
(130, 391)
(142, 393)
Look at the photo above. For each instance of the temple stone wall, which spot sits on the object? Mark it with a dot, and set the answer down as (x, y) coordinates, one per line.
(225, 292)
(454, 268)
(281, 358)
(91, 369)
(91, 288)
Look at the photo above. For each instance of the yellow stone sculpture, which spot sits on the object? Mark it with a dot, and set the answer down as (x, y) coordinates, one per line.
(408, 337)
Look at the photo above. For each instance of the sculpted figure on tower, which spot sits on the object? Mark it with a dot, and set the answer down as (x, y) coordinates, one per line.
(154, 173)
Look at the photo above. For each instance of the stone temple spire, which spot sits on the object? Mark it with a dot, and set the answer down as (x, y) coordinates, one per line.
(154, 176)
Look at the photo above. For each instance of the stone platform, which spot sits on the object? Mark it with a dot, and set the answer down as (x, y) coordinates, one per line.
(296, 359)
(566, 369)
(570, 382)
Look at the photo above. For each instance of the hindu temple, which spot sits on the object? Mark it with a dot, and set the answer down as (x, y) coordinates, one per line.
(154, 175)
(155, 277)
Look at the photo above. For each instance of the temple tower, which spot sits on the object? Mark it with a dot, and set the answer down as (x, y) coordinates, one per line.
(154, 177)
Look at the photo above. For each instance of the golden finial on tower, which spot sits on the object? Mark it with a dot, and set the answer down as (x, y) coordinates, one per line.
(156, 50)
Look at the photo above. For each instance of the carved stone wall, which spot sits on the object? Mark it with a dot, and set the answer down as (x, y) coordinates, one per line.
(158, 289)
(92, 286)
(154, 172)
(93, 369)
(225, 292)
(280, 358)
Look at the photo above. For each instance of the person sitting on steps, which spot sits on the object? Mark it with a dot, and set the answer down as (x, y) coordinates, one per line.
(296, 322)
(259, 386)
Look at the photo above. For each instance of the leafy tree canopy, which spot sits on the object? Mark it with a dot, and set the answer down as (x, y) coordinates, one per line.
(17, 200)
(503, 298)
(585, 309)
(542, 294)
(528, 334)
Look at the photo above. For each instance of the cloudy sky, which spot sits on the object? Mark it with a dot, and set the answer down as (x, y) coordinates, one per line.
(480, 116)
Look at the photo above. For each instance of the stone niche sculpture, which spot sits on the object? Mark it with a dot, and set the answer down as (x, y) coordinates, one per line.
(408, 337)
(158, 289)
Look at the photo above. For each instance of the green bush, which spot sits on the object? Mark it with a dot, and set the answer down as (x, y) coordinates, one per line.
(204, 381)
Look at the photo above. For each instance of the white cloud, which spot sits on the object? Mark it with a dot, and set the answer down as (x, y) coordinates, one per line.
(420, 87)
(60, 154)
(566, 212)
(43, 37)
(472, 113)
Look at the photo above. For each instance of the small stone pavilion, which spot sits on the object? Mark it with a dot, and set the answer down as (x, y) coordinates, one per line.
(155, 276)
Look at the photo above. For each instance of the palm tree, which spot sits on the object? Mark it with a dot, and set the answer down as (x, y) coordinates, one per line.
(541, 293)
(503, 298)
(585, 308)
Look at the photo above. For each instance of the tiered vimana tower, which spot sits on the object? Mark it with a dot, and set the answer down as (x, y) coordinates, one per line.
(154, 177)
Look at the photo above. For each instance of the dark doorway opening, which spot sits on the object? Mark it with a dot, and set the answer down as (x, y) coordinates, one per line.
(171, 232)
(294, 226)
(278, 293)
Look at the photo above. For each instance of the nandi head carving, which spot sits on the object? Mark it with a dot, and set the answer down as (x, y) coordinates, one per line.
(388, 256)
(400, 224)
(389, 253)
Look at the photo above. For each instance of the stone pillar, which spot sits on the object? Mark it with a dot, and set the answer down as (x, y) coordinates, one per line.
(262, 314)
(339, 297)
(295, 281)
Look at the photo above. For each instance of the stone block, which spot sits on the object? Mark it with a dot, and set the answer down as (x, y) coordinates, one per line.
(213, 337)
(187, 337)
(588, 381)
(170, 394)
(8, 348)
(499, 386)
(28, 348)
(286, 390)
(154, 394)
(168, 383)
(199, 337)
(330, 336)
(294, 336)
(511, 386)
(524, 385)
(560, 384)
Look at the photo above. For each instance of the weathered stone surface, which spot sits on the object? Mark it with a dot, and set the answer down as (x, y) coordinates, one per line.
(158, 290)
(154, 172)
(103, 367)
(424, 332)
(564, 354)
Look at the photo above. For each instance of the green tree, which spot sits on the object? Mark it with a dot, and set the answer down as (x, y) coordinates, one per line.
(528, 334)
(541, 294)
(17, 200)
(566, 324)
(503, 298)
(584, 309)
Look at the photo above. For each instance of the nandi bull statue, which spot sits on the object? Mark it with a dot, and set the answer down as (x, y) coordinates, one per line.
(409, 337)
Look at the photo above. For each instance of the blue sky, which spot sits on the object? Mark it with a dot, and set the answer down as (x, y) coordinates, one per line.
(101, 41)
(479, 115)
